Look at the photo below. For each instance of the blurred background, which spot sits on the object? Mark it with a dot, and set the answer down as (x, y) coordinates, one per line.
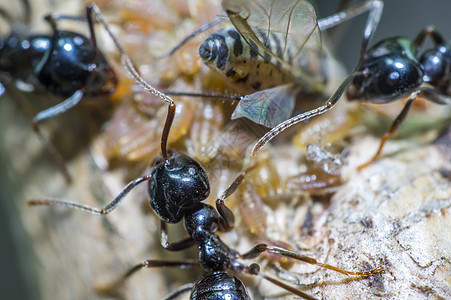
(400, 17)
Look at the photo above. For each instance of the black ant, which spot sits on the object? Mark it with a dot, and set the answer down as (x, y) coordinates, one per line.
(390, 70)
(177, 186)
(65, 64)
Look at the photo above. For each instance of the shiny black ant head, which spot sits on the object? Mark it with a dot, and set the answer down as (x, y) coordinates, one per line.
(389, 71)
(73, 63)
(19, 54)
(202, 222)
(436, 64)
(178, 184)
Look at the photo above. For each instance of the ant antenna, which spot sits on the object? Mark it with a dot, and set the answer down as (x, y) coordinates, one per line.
(199, 95)
(305, 116)
(96, 211)
(133, 72)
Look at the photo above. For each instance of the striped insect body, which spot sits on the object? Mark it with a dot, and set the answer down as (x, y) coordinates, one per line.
(274, 51)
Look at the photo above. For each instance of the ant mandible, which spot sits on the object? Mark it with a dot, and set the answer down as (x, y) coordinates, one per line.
(66, 64)
(177, 186)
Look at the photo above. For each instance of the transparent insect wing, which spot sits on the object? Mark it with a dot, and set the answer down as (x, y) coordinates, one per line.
(268, 107)
(292, 22)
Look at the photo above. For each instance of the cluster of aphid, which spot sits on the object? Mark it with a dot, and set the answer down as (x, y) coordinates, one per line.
(270, 54)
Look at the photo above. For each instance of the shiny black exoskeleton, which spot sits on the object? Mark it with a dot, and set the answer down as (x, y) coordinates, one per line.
(73, 63)
(390, 70)
(20, 53)
(436, 64)
(393, 69)
(61, 63)
(219, 286)
(178, 182)
(65, 64)
(178, 186)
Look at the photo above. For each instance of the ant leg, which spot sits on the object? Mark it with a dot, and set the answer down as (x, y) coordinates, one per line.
(370, 27)
(179, 291)
(394, 126)
(103, 211)
(194, 34)
(374, 6)
(54, 17)
(434, 96)
(260, 248)
(227, 220)
(433, 33)
(112, 287)
(254, 269)
(93, 9)
(27, 12)
(58, 108)
(6, 16)
(330, 103)
(57, 158)
(174, 246)
(50, 113)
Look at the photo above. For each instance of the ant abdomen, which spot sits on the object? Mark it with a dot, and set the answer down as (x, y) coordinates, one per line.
(179, 181)
(219, 286)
